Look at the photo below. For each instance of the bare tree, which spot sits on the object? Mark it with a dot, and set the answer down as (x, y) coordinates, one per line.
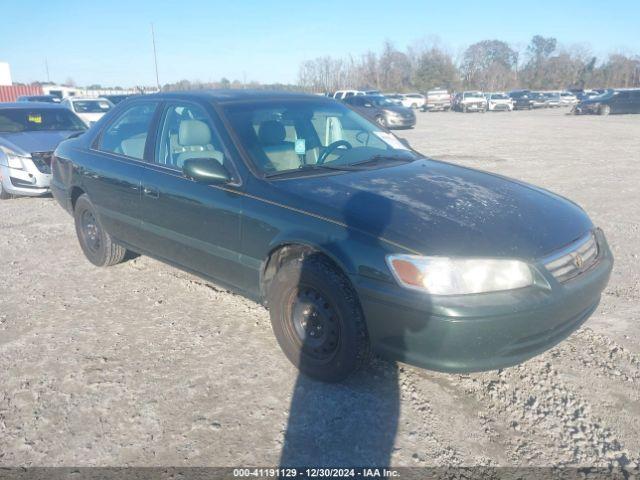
(489, 65)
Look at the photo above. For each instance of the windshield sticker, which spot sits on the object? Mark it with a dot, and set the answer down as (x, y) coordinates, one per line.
(34, 118)
(300, 146)
(390, 140)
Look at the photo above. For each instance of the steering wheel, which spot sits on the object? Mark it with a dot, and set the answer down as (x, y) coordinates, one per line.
(331, 147)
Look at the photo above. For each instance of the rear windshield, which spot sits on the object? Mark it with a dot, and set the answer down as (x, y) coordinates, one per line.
(38, 119)
(91, 106)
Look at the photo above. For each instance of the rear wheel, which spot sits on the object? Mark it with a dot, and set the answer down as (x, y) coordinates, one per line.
(317, 320)
(604, 110)
(96, 243)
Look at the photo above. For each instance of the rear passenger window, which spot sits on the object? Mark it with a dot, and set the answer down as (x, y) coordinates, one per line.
(127, 135)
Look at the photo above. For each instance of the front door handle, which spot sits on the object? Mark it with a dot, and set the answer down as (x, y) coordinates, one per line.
(151, 192)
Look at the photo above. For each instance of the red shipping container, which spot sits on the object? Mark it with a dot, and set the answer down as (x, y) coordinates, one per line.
(9, 93)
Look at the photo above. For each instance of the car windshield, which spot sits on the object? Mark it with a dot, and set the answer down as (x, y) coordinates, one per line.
(38, 119)
(499, 96)
(293, 137)
(472, 94)
(91, 106)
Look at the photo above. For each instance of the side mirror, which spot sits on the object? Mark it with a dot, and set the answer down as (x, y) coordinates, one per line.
(205, 170)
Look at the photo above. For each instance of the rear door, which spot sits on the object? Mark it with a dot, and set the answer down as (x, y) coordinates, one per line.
(113, 171)
(194, 225)
(621, 102)
(635, 102)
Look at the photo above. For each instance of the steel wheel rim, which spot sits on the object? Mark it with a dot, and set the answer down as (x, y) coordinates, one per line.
(312, 324)
(90, 231)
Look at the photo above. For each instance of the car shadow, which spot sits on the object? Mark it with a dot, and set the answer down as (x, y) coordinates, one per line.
(352, 423)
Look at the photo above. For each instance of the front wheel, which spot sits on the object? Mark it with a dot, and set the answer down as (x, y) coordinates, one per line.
(95, 241)
(4, 195)
(317, 320)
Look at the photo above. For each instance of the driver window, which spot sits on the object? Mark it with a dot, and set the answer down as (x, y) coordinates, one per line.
(186, 134)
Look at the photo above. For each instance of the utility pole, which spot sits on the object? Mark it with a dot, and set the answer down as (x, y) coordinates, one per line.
(155, 55)
(46, 67)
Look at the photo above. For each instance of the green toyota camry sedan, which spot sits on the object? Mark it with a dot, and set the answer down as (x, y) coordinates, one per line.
(355, 242)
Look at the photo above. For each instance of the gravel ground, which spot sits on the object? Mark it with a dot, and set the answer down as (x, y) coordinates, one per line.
(142, 364)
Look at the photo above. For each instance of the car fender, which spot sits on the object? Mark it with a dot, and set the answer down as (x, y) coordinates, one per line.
(324, 243)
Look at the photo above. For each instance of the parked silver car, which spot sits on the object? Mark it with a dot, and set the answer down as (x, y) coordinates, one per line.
(29, 133)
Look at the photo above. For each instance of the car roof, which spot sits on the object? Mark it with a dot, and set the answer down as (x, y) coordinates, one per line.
(84, 99)
(30, 105)
(236, 95)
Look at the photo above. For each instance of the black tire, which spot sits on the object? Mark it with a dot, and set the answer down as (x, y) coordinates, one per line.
(95, 241)
(604, 110)
(3, 193)
(310, 292)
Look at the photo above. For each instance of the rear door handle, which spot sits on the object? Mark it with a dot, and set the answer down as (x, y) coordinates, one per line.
(151, 192)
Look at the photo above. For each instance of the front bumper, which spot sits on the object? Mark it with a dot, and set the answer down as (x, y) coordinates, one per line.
(585, 108)
(474, 107)
(29, 182)
(500, 107)
(522, 105)
(432, 107)
(400, 122)
(479, 332)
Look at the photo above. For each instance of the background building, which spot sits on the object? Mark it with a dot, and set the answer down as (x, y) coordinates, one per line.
(5, 74)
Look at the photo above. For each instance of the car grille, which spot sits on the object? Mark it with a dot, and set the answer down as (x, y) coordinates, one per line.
(577, 258)
(42, 161)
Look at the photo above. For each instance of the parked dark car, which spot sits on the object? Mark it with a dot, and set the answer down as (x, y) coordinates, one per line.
(353, 240)
(538, 100)
(39, 98)
(383, 111)
(29, 132)
(521, 100)
(612, 101)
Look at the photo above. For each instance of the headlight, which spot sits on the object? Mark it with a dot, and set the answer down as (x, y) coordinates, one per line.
(459, 276)
(10, 159)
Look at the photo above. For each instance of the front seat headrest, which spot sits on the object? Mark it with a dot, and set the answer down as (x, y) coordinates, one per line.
(271, 132)
(194, 132)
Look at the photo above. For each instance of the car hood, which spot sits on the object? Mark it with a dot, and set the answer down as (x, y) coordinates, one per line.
(593, 100)
(436, 208)
(24, 143)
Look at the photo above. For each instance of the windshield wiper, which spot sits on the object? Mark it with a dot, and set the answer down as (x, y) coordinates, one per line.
(306, 168)
(377, 158)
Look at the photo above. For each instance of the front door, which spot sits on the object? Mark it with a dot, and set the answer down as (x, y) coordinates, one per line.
(191, 224)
